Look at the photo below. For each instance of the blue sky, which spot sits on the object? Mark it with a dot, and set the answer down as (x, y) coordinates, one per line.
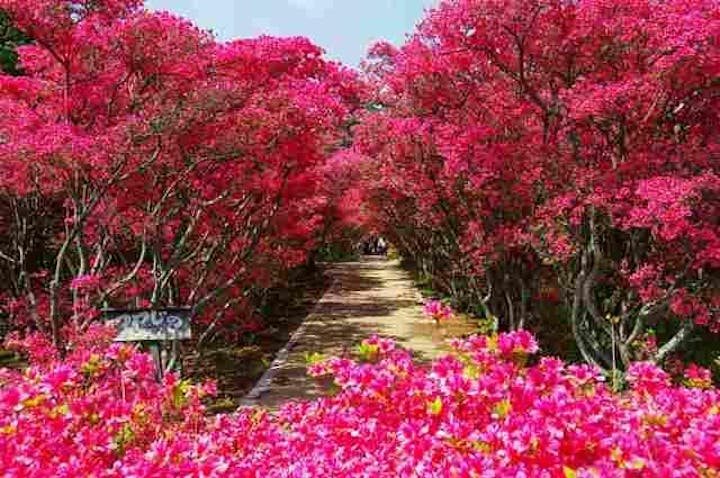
(344, 28)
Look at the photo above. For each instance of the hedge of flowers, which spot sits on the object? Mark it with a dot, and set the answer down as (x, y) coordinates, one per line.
(488, 409)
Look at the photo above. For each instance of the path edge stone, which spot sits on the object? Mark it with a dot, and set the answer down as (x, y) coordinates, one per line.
(265, 381)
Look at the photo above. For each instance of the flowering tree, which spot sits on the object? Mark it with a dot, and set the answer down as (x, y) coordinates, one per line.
(341, 196)
(571, 145)
(145, 164)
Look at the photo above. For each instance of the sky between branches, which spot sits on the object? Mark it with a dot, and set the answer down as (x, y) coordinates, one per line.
(344, 28)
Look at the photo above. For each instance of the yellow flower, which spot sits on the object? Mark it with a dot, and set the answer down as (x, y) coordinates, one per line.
(435, 407)
(34, 401)
(502, 409)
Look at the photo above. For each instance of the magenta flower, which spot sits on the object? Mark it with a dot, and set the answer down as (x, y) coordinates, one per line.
(437, 311)
(85, 282)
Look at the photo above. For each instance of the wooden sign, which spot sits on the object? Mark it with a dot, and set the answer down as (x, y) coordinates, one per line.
(146, 325)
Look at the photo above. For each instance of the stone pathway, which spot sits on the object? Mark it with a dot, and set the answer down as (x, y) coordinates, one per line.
(371, 296)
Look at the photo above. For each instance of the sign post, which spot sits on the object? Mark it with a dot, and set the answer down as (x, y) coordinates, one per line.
(160, 330)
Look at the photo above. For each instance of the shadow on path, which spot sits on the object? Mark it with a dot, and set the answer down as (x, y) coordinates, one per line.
(371, 296)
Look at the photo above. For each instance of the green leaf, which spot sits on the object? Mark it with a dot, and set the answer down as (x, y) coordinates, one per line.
(311, 358)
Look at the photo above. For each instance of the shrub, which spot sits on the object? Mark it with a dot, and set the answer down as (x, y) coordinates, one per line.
(480, 411)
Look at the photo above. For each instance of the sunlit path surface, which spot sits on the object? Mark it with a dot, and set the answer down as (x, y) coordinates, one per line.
(371, 296)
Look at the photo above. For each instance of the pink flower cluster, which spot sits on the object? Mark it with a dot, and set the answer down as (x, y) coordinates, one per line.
(85, 282)
(437, 310)
(79, 416)
(478, 412)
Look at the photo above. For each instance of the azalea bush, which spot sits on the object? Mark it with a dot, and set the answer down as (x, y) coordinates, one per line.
(143, 163)
(542, 159)
(437, 311)
(481, 410)
(79, 415)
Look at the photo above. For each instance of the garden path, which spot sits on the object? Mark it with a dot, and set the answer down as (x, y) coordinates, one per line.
(373, 295)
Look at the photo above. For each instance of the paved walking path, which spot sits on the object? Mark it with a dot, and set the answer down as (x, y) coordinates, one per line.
(371, 296)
